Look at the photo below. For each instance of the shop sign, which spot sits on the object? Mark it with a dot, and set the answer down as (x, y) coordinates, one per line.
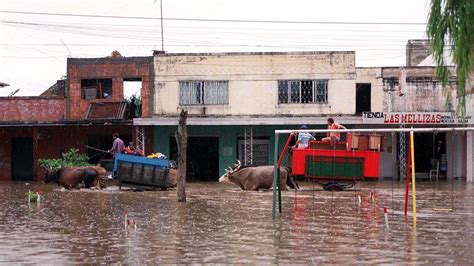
(414, 118)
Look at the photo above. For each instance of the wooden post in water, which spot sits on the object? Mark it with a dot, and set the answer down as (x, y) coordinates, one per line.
(182, 143)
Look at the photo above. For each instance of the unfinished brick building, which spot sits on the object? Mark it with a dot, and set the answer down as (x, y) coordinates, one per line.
(83, 110)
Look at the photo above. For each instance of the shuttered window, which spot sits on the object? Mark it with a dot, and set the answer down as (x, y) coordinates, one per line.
(203, 92)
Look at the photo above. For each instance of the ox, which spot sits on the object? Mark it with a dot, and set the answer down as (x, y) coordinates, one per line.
(72, 177)
(255, 178)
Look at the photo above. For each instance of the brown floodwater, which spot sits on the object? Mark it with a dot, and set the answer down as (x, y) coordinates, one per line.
(222, 224)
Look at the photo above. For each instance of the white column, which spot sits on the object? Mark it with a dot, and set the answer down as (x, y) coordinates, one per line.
(469, 156)
(450, 142)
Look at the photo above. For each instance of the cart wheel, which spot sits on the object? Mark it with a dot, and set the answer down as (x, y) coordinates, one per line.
(333, 187)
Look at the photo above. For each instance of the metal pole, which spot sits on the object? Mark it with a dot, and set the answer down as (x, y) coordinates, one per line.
(275, 177)
(413, 186)
(375, 130)
(161, 16)
(407, 178)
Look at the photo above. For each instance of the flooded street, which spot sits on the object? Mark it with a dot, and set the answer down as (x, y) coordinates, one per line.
(222, 224)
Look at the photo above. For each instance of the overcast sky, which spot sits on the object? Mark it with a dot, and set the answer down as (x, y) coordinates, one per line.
(34, 47)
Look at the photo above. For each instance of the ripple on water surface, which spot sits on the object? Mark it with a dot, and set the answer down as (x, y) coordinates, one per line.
(220, 223)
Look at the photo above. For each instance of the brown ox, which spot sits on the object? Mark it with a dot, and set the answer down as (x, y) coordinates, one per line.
(72, 177)
(255, 178)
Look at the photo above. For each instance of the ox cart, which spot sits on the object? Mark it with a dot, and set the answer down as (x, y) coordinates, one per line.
(341, 167)
(141, 172)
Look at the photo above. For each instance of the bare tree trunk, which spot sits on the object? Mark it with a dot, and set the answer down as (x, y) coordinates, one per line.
(182, 142)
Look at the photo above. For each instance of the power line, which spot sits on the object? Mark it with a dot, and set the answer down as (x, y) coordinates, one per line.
(218, 20)
(217, 27)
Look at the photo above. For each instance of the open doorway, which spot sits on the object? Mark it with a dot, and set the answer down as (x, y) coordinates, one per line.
(429, 146)
(363, 99)
(132, 94)
(22, 159)
(202, 158)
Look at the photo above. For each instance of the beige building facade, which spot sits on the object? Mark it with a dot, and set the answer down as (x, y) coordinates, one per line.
(267, 84)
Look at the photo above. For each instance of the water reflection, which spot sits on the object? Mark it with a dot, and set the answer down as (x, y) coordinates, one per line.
(220, 223)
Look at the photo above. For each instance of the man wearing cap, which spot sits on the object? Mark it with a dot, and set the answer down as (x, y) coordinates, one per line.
(303, 139)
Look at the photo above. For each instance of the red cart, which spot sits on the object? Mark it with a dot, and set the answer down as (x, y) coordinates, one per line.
(340, 167)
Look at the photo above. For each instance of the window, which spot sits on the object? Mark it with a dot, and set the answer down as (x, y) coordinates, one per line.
(96, 88)
(303, 91)
(261, 151)
(203, 92)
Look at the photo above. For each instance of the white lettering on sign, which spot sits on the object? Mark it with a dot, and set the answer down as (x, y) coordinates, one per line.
(437, 118)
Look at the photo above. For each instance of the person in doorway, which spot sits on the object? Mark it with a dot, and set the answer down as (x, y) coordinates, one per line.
(117, 146)
(333, 137)
(302, 141)
(132, 109)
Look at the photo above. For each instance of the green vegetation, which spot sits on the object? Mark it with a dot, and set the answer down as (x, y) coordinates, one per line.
(69, 158)
(451, 25)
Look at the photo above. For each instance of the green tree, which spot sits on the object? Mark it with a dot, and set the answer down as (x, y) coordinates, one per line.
(451, 25)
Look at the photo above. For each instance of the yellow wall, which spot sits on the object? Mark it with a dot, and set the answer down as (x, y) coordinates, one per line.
(253, 81)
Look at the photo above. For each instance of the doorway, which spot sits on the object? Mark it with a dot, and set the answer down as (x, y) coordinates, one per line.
(363, 99)
(22, 159)
(132, 92)
(427, 147)
(261, 150)
(202, 158)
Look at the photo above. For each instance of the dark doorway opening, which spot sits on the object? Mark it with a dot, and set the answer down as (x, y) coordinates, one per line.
(103, 142)
(429, 146)
(22, 159)
(202, 157)
(363, 100)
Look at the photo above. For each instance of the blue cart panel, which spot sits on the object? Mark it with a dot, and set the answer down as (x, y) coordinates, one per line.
(141, 171)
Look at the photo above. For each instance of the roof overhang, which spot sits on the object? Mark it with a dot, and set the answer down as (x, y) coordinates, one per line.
(245, 120)
(65, 123)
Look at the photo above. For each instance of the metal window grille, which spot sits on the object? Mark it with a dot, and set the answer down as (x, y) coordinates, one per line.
(203, 92)
(303, 91)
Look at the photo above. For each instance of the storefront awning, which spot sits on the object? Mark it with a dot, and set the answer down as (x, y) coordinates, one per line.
(245, 120)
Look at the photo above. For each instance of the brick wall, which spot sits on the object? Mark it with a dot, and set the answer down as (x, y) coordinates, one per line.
(116, 69)
(31, 109)
(52, 142)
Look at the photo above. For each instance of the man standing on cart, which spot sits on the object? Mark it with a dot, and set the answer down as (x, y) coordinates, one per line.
(333, 137)
(117, 146)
